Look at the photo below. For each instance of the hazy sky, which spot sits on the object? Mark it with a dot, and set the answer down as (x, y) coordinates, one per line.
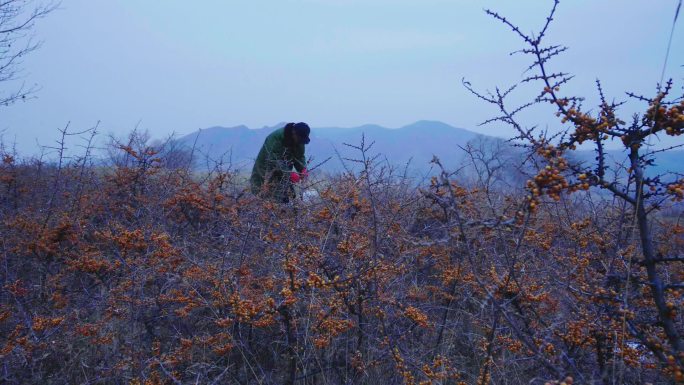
(176, 66)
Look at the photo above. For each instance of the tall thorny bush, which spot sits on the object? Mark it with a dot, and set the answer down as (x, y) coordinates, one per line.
(645, 268)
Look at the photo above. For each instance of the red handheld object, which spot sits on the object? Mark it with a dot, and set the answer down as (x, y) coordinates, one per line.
(294, 177)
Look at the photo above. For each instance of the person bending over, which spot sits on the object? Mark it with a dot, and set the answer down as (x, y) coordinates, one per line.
(283, 149)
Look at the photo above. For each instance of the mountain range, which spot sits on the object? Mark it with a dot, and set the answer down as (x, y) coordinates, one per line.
(415, 144)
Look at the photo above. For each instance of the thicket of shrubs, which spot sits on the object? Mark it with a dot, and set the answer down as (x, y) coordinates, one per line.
(138, 273)
(145, 272)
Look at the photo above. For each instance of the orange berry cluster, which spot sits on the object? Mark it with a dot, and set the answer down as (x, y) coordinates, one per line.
(675, 370)
(586, 127)
(402, 367)
(671, 118)
(677, 190)
(315, 280)
(439, 371)
(42, 323)
(244, 309)
(416, 315)
(548, 181)
(330, 327)
(582, 184)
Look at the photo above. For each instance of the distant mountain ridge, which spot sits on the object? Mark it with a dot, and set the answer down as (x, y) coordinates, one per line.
(417, 142)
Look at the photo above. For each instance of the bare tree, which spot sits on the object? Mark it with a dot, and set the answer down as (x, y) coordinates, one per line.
(17, 19)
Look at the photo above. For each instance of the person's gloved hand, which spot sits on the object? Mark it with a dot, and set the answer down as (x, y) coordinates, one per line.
(294, 177)
(304, 174)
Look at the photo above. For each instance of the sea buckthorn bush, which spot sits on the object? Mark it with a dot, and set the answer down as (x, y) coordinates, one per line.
(138, 273)
(144, 270)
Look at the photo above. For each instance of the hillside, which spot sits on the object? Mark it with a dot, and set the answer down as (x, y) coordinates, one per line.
(138, 271)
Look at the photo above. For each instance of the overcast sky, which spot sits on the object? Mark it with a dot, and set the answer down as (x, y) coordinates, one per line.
(176, 66)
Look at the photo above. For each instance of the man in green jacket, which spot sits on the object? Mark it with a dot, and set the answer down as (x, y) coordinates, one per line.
(283, 149)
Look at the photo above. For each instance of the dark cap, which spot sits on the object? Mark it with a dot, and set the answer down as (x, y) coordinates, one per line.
(302, 131)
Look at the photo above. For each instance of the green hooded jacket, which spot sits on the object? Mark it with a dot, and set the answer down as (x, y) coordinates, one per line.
(275, 161)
